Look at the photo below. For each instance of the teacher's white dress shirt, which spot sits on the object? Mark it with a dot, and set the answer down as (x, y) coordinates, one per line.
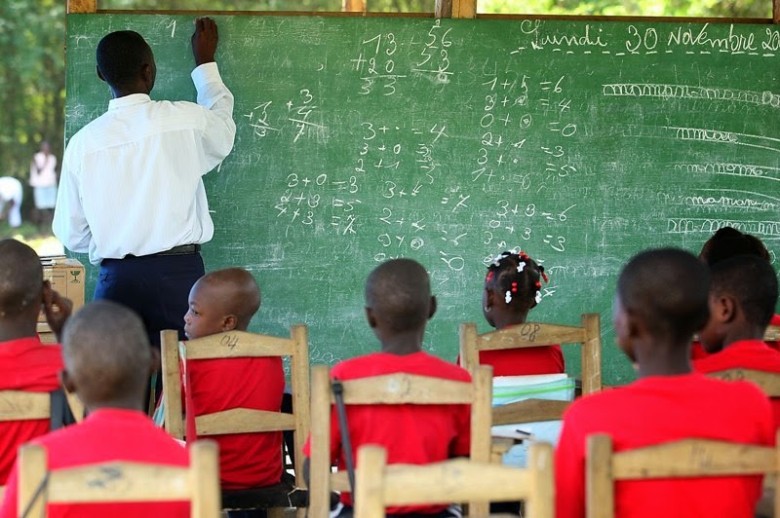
(131, 179)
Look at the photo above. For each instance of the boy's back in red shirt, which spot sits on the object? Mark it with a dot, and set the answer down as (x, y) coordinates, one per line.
(250, 459)
(27, 365)
(412, 434)
(659, 409)
(107, 435)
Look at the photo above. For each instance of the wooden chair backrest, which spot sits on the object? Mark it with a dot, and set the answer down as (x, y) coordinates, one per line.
(18, 405)
(685, 458)
(772, 334)
(459, 480)
(120, 481)
(240, 344)
(534, 334)
(392, 389)
(769, 382)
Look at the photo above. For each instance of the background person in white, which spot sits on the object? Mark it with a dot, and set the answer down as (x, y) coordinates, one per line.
(11, 200)
(43, 180)
(131, 192)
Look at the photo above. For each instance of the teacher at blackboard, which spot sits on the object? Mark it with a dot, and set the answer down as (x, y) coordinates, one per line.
(131, 192)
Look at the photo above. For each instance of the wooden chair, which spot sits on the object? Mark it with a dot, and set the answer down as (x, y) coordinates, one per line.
(120, 481)
(239, 344)
(381, 485)
(768, 382)
(393, 389)
(18, 405)
(685, 458)
(532, 334)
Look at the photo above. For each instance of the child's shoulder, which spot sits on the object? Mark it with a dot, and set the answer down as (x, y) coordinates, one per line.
(380, 363)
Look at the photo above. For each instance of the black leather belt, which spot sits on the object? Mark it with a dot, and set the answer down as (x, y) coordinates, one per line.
(176, 250)
(181, 250)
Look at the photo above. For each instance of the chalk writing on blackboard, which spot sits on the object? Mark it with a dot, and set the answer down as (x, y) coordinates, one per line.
(450, 141)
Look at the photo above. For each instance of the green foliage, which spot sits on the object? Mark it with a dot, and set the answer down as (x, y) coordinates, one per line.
(388, 6)
(32, 80)
(224, 5)
(698, 8)
(703, 8)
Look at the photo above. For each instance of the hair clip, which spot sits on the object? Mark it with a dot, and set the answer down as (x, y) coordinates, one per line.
(538, 297)
(514, 287)
(520, 266)
(508, 297)
(538, 285)
(489, 276)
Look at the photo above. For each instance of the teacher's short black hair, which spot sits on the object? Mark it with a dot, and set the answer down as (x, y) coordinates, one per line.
(120, 57)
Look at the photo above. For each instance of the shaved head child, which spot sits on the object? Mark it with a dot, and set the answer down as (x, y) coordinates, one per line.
(220, 301)
(25, 363)
(661, 301)
(398, 306)
(743, 296)
(107, 363)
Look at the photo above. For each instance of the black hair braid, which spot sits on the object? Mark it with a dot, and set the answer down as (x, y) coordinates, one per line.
(518, 277)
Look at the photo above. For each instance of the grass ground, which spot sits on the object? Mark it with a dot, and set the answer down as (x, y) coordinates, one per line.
(44, 243)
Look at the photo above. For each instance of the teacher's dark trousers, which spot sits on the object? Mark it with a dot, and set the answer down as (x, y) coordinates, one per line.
(154, 286)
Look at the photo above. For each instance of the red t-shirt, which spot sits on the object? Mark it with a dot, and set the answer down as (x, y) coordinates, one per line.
(107, 435)
(25, 364)
(745, 354)
(250, 459)
(412, 434)
(698, 352)
(524, 361)
(659, 409)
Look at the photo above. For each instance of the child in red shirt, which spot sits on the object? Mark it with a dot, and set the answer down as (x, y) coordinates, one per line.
(743, 295)
(512, 288)
(220, 301)
(108, 361)
(661, 301)
(725, 243)
(398, 305)
(25, 363)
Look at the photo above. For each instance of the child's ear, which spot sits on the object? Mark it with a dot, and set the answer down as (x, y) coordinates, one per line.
(372, 323)
(67, 381)
(432, 307)
(723, 308)
(229, 323)
(635, 326)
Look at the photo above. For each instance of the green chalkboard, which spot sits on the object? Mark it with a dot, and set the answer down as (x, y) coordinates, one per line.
(362, 139)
